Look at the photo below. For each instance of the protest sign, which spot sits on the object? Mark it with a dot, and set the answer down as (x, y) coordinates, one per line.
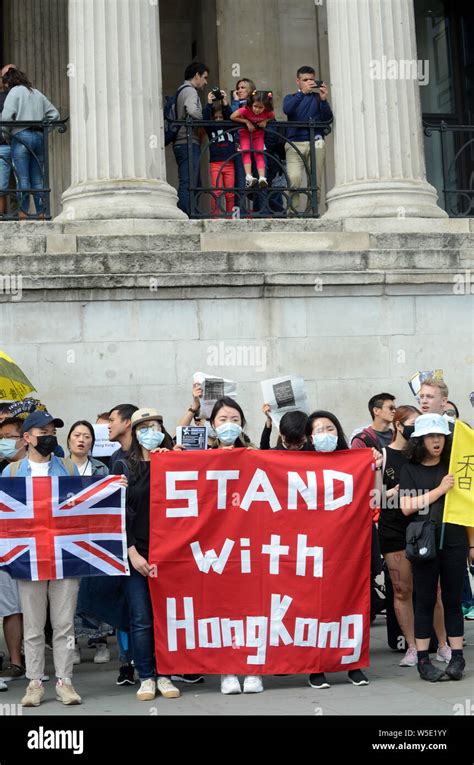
(262, 561)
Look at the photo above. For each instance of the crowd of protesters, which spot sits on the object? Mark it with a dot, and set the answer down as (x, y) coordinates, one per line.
(253, 157)
(410, 447)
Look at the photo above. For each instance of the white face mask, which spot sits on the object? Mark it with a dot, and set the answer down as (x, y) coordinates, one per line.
(228, 433)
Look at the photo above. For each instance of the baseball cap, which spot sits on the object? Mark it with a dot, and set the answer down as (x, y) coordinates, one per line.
(430, 423)
(142, 415)
(40, 419)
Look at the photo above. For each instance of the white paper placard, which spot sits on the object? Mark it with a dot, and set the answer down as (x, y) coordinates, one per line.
(103, 447)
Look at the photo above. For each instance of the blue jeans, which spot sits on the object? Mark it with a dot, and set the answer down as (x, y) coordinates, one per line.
(28, 159)
(5, 166)
(138, 598)
(181, 156)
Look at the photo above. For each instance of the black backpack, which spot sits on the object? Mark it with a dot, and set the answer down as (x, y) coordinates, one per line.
(169, 114)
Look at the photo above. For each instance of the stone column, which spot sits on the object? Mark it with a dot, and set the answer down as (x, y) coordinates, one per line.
(374, 91)
(117, 152)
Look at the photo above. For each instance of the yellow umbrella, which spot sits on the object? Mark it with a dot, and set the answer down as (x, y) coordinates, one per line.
(14, 385)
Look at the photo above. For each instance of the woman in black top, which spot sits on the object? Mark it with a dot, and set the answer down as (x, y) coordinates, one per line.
(148, 434)
(426, 472)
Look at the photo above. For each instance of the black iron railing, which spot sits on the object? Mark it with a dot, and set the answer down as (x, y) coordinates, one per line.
(24, 171)
(279, 198)
(456, 173)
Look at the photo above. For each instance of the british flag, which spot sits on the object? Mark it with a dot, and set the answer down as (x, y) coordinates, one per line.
(55, 527)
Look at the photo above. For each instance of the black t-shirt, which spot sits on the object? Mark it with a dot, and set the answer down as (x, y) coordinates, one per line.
(138, 509)
(120, 454)
(384, 438)
(392, 524)
(414, 476)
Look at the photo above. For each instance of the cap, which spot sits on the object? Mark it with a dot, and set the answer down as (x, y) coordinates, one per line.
(40, 419)
(142, 415)
(430, 423)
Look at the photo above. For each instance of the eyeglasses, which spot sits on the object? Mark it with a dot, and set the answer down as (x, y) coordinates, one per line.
(450, 412)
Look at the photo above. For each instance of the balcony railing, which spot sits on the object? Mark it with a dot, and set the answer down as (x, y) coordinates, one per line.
(24, 170)
(280, 198)
(454, 146)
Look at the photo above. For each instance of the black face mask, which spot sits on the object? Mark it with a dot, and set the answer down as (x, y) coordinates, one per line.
(46, 445)
(407, 431)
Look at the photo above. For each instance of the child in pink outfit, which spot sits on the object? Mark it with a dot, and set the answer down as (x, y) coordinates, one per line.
(255, 115)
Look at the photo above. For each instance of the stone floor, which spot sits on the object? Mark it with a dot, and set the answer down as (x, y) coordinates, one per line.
(393, 691)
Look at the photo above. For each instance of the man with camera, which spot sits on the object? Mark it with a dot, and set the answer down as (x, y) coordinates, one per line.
(188, 104)
(310, 101)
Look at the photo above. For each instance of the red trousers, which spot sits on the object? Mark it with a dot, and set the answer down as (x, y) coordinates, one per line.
(222, 177)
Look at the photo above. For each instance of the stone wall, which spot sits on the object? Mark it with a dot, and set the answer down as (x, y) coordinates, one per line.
(109, 315)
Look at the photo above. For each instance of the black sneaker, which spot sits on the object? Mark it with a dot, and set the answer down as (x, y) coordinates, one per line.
(428, 672)
(455, 667)
(126, 675)
(357, 677)
(188, 678)
(12, 672)
(318, 680)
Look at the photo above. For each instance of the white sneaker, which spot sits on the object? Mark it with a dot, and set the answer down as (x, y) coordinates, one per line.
(3, 686)
(250, 181)
(410, 659)
(230, 684)
(77, 655)
(147, 690)
(253, 684)
(167, 689)
(102, 653)
(444, 653)
(262, 182)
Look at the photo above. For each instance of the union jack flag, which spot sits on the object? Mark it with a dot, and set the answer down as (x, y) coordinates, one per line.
(55, 527)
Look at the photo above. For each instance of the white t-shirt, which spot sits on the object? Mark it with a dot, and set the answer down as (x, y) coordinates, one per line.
(85, 469)
(38, 468)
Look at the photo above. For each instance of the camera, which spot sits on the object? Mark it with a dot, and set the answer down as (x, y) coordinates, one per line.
(216, 92)
(317, 85)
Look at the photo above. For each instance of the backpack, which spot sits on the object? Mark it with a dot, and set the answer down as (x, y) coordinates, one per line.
(169, 114)
(368, 440)
(68, 464)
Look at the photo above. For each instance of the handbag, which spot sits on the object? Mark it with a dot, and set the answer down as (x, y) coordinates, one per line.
(421, 540)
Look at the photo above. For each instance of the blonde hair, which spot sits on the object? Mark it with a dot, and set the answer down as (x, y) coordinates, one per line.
(434, 382)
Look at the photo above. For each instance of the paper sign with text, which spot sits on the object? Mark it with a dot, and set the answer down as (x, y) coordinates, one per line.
(262, 561)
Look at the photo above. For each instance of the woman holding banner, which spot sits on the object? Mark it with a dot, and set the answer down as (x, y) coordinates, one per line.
(327, 435)
(426, 475)
(228, 421)
(148, 435)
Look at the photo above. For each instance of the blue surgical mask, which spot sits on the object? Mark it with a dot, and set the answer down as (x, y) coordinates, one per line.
(8, 448)
(324, 442)
(150, 438)
(228, 433)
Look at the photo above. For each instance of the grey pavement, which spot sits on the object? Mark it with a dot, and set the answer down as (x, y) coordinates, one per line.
(393, 690)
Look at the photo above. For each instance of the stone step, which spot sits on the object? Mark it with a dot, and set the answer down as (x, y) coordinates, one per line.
(173, 262)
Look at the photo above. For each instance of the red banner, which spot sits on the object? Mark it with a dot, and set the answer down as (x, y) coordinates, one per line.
(262, 561)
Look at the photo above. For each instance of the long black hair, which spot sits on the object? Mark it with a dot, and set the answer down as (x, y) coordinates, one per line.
(243, 440)
(341, 439)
